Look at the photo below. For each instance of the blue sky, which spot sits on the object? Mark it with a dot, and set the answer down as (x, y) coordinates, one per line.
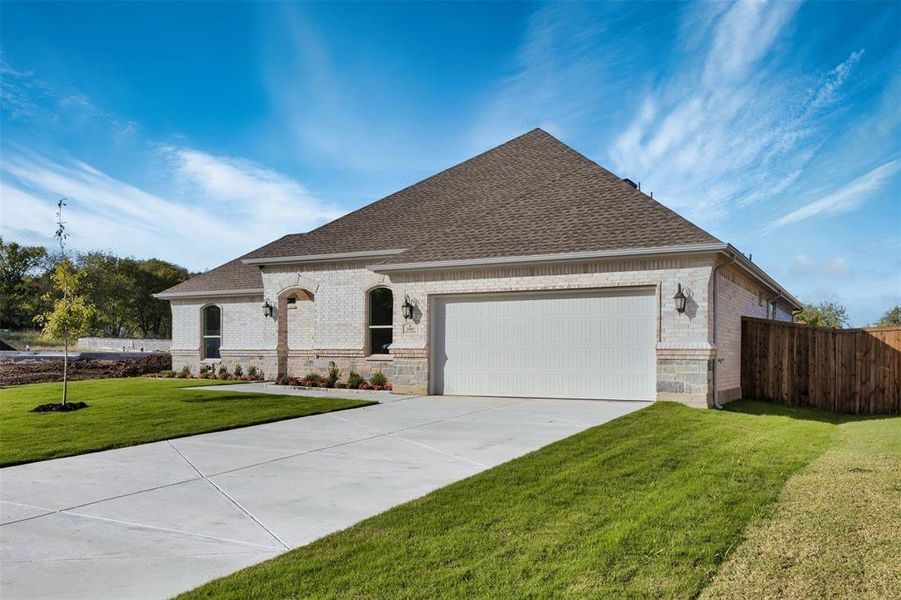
(197, 132)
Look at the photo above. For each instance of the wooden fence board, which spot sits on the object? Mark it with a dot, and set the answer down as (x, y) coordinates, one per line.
(842, 370)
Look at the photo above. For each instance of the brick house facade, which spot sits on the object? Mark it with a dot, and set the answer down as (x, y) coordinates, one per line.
(302, 302)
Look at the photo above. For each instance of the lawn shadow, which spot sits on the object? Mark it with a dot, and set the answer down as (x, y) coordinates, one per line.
(763, 407)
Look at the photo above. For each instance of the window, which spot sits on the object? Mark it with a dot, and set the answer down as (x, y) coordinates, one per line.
(212, 331)
(381, 316)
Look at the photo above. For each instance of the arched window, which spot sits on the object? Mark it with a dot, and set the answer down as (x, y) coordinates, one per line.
(212, 331)
(381, 316)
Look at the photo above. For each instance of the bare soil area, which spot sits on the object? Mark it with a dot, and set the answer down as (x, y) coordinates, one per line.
(40, 371)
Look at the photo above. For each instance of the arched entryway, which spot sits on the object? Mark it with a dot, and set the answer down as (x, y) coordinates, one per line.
(296, 315)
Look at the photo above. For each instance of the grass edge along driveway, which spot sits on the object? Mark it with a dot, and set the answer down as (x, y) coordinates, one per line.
(648, 505)
(137, 410)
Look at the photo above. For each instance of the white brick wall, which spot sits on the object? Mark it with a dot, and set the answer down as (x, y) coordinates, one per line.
(335, 323)
(243, 324)
(737, 296)
(687, 331)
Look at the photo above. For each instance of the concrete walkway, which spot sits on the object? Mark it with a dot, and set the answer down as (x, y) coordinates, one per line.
(157, 519)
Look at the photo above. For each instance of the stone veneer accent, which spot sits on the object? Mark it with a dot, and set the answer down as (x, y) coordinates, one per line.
(331, 311)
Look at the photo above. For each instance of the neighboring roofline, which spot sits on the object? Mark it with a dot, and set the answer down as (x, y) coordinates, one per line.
(745, 263)
(208, 293)
(313, 258)
(537, 259)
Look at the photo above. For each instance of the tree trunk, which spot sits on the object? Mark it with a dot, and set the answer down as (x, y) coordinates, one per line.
(65, 368)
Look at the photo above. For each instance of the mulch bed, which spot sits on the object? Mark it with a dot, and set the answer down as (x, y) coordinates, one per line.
(59, 407)
(40, 371)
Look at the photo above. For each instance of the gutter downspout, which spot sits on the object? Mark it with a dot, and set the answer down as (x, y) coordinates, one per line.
(716, 402)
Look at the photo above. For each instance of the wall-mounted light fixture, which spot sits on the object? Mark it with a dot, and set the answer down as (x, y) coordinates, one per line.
(679, 299)
(406, 308)
(268, 309)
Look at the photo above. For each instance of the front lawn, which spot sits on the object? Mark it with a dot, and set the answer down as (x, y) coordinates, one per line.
(648, 505)
(837, 530)
(124, 412)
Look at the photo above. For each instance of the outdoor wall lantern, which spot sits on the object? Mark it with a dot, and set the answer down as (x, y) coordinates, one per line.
(267, 309)
(406, 308)
(679, 299)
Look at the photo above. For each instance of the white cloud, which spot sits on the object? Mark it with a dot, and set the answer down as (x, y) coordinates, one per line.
(837, 77)
(837, 267)
(729, 126)
(234, 207)
(247, 190)
(802, 266)
(557, 76)
(846, 198)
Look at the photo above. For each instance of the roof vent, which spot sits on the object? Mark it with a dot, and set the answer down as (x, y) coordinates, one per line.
(630, 182)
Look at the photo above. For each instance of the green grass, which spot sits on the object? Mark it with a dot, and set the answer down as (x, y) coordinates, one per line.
(124, 412)
(837, 529)
(649, 505)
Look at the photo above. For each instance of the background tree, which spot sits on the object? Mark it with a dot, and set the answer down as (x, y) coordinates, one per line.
(108, 284)
(153, 317)
(891, 317)
(21, 268)
(824, 314)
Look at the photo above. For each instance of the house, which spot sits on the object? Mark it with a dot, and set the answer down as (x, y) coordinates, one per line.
(528, 270)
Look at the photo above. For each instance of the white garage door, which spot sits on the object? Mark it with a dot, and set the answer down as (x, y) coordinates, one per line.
(597, 345)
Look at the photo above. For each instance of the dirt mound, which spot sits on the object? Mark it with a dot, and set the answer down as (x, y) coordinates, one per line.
(39, 371)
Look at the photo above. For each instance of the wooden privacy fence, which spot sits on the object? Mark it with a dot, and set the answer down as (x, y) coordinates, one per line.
(856, 371)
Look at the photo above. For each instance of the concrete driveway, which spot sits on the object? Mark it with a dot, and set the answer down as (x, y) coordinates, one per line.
(153, 520)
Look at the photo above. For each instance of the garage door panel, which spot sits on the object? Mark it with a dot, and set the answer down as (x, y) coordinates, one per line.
(578, 345)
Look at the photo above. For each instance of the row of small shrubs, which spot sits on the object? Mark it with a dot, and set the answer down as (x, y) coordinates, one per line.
(355, 381)
(208, 372)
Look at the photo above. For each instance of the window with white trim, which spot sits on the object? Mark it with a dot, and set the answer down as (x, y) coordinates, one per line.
(381, 320)
(212, 331)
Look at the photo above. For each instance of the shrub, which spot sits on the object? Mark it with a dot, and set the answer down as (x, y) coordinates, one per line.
(185, 372)
(311, 379)
(252, 372)
(333, 374)
(205, 369)
(340, 385)
(223, 372)
(365, 386)
(281, 380)
(378, 379)
(238, 370)
(168, 374)
(354, 380)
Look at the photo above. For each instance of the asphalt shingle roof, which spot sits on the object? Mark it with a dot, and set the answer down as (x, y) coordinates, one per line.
(531, 195)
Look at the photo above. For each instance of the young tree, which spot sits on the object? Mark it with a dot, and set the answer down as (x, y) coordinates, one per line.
(824, 314)
(71, 314)
(891, 317)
